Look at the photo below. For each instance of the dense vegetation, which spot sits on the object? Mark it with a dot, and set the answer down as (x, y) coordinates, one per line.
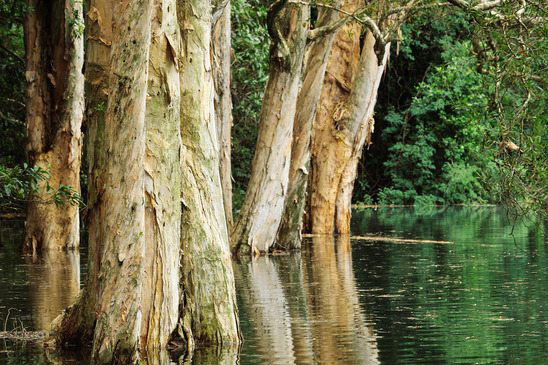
(449, 106)
(442, 127)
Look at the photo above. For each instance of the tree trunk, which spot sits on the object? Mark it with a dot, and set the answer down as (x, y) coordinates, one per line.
(54, 45)
(223, 100)
(162, 165)
(289, 234)
(121, 206)
(343, 125)
(77, 324)
(208, 302)
(111, 307)
(261, 212)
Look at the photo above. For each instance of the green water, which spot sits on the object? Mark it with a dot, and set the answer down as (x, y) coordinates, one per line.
(481, 299)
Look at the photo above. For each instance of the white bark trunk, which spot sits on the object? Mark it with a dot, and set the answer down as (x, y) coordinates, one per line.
(289, 234)
(261, 212)
(162, 180)
(223, 101)
(208, 299)
(122, 204)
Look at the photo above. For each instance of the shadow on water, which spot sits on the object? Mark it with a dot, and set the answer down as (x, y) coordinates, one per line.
(481, 300)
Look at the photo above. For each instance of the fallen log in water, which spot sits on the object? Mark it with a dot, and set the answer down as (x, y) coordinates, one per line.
(389, 239)
(22, 335)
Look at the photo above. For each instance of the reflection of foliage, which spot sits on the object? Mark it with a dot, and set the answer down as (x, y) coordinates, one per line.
(480, 299)
(249, 74)
(19, 184)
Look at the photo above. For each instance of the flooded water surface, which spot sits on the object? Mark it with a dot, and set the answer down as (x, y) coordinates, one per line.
(481, 298)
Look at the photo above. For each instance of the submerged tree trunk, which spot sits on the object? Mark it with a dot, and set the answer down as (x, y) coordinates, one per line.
(77, 324)
(289, 234)
(261, 212)
(221, 44)
(343, 125)
(121, 206)
(54, 45)
(130, 301)
(208, 300)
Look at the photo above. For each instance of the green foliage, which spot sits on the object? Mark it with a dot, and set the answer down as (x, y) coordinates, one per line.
(438, 145)
(12, 82)
(513, 54)
(250, 42)
(464, 87)
(19, 184)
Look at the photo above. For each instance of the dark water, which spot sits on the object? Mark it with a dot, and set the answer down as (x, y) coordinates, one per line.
(481, 299)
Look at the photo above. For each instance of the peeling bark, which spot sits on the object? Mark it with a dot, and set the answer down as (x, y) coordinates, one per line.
(208, 300)
(221, 46)
(162, 180)
(77, 324)
(289, 234)
(122, 204)
(54, 48)
(261, 212)
(344, 123)
(110, 310)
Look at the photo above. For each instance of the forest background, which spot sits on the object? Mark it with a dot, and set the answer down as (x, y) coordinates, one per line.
(441, 135)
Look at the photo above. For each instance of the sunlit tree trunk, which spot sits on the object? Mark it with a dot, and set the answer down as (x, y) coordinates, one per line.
(77, 324)
(208, 300)
(344, 123)
(289, 234)
(257, 224)
(221, 43)
(54, 45)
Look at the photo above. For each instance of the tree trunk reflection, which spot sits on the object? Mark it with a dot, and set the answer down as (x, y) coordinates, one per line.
(54, 279)
(304, 309)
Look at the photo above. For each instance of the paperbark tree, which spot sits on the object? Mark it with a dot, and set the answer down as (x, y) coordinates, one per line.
(344, 122)
(261, 212)
(162, 179)
(289, 234)
(130, 302)
(221, 46)
(208, 300)
(343, 125)
(54, 46)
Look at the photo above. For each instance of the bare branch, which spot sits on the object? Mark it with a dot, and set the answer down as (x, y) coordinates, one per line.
(11, 53)
(482, 5)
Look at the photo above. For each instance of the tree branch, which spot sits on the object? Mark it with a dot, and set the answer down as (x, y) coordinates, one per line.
(11, 53)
